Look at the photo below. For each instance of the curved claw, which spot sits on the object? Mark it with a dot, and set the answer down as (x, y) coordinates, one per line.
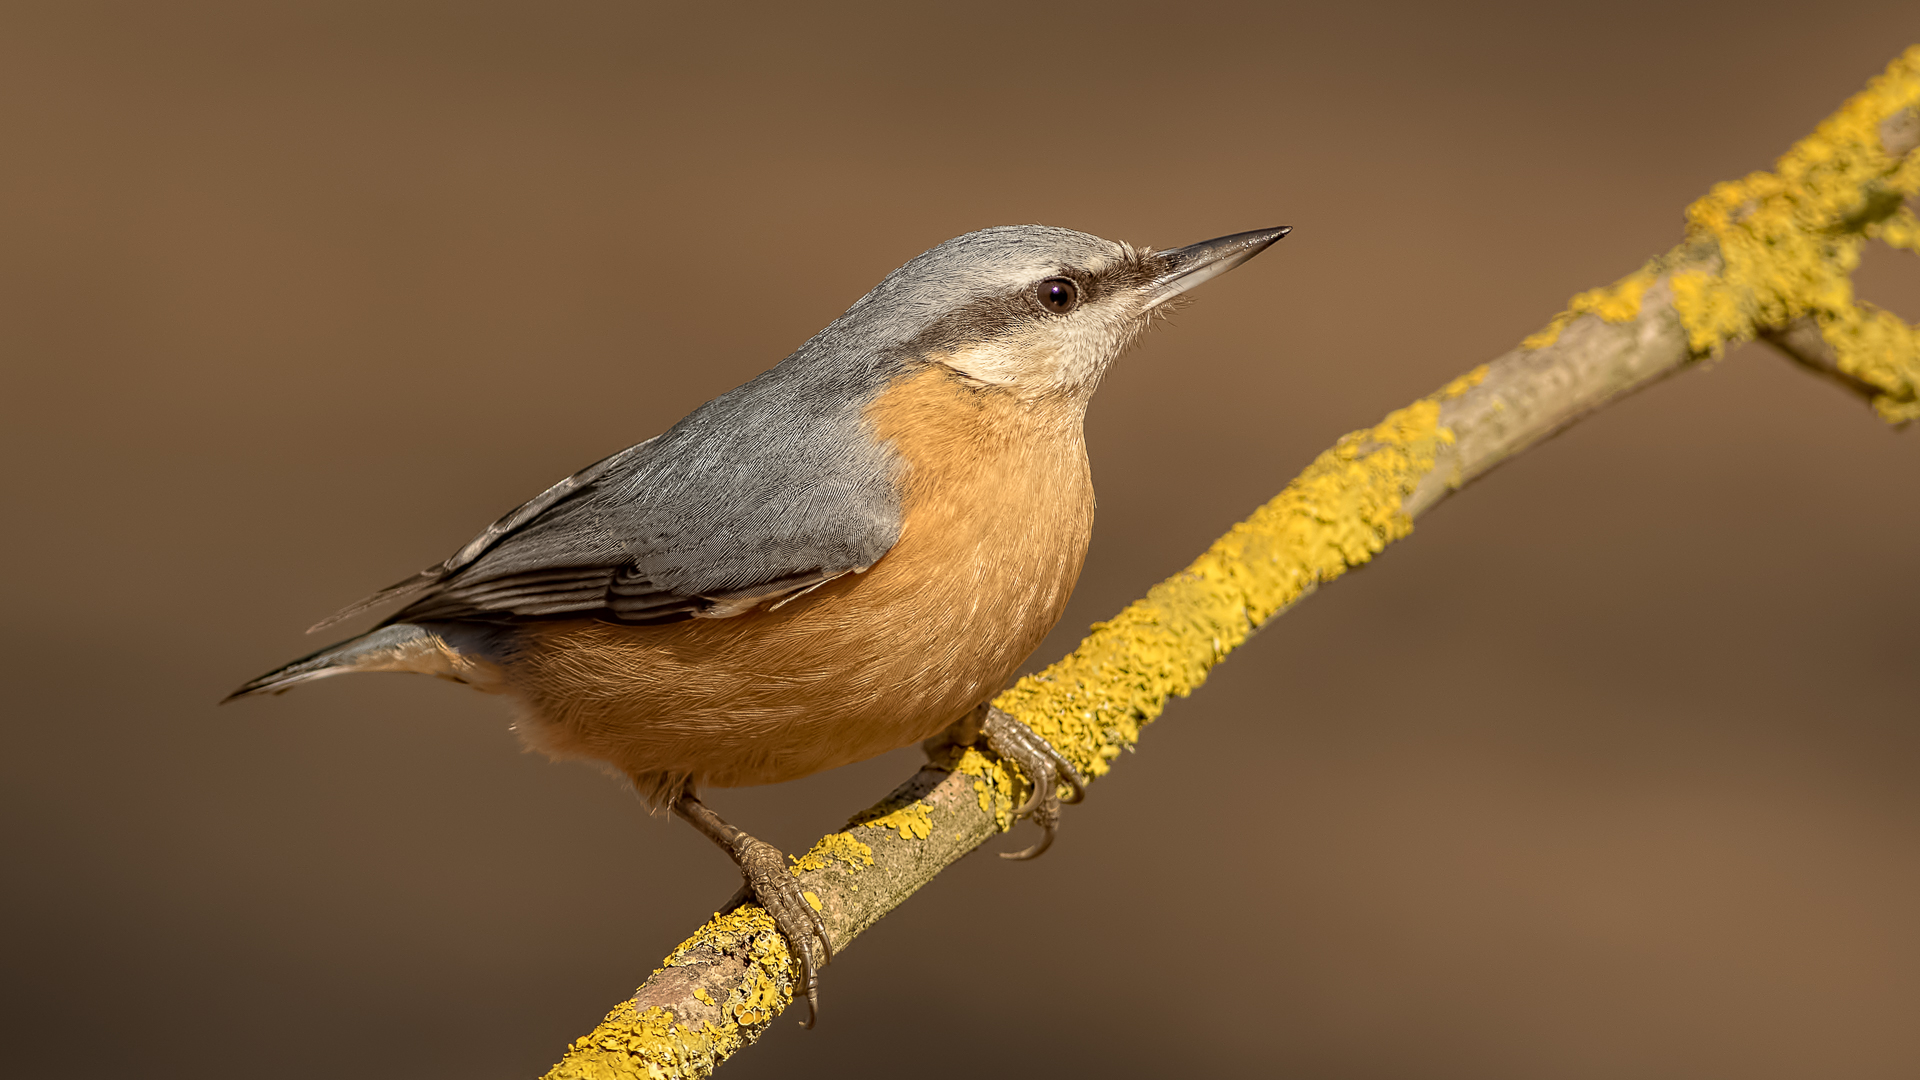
(1070, 776)
(1045, 768)
(812, 988)
(1038, 849)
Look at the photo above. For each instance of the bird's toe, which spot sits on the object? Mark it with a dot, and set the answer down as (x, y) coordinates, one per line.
(774, 888)
(1044, 767)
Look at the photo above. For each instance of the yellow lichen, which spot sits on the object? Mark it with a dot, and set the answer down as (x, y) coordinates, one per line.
(835, 846)
(993, 783)
(1616, 303)
(1788, 241)
(914, 821)
(1900, 230)
(1463, 384)
(1880, 349)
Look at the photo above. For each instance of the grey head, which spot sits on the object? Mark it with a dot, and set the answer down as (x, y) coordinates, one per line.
(778, 486)
(1037, 310)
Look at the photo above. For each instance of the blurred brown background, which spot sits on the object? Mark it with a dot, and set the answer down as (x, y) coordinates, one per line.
(1608, 772)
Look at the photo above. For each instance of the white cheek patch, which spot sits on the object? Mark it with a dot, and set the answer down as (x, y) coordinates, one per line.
(1087, 347)
(1084, 351)
(1059, 356)
(1001, 363)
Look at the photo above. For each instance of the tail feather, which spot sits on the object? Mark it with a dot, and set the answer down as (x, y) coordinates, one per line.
(424, 649)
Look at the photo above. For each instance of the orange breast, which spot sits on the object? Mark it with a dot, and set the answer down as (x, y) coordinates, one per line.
(998, 509)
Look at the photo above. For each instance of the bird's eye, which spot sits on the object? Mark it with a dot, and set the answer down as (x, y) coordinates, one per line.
(1058, 295)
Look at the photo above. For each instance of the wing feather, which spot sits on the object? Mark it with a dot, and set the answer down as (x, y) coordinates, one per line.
(756, 498)
(520, 516)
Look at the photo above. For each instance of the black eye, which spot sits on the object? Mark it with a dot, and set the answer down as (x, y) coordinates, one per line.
(1058, 295)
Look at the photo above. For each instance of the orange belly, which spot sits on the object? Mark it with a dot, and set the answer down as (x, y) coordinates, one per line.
(997, 512)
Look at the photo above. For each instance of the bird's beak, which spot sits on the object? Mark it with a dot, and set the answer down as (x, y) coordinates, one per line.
(1180, 269)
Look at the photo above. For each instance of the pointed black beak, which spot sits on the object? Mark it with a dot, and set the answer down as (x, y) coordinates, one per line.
(1185, 267)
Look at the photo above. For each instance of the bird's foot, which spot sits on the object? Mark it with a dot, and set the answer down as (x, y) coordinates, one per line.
(771, 884)
(1044, 768)
(774, 888)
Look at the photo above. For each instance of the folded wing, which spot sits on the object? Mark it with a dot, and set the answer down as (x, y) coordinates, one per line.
(755, 499)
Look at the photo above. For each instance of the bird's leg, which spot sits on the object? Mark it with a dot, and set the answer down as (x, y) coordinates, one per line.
(1045, 768)
(770, 883)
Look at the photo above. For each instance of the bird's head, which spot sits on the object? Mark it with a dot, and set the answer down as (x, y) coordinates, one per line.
(1038, 311)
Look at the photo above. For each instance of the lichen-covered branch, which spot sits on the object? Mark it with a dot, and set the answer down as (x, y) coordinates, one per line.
(1802, 342)
(1767, 256)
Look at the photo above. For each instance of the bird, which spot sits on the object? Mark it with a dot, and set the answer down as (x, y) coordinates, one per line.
(850, 553)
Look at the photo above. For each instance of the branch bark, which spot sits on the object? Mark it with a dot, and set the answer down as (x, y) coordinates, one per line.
(1760, 260)
(1801, 342)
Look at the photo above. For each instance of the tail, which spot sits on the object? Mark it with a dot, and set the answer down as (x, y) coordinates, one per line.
(450, 651)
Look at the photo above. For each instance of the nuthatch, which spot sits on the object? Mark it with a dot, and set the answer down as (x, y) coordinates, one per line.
(851, 553)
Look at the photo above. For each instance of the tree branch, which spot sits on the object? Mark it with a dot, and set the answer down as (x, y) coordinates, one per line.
(1768, 256)
(1801, 342)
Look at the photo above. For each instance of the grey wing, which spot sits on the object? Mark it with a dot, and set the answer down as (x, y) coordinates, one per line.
(489, 536)
(762, 494)
(613, 594)
(658, 534)
(604, 555)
